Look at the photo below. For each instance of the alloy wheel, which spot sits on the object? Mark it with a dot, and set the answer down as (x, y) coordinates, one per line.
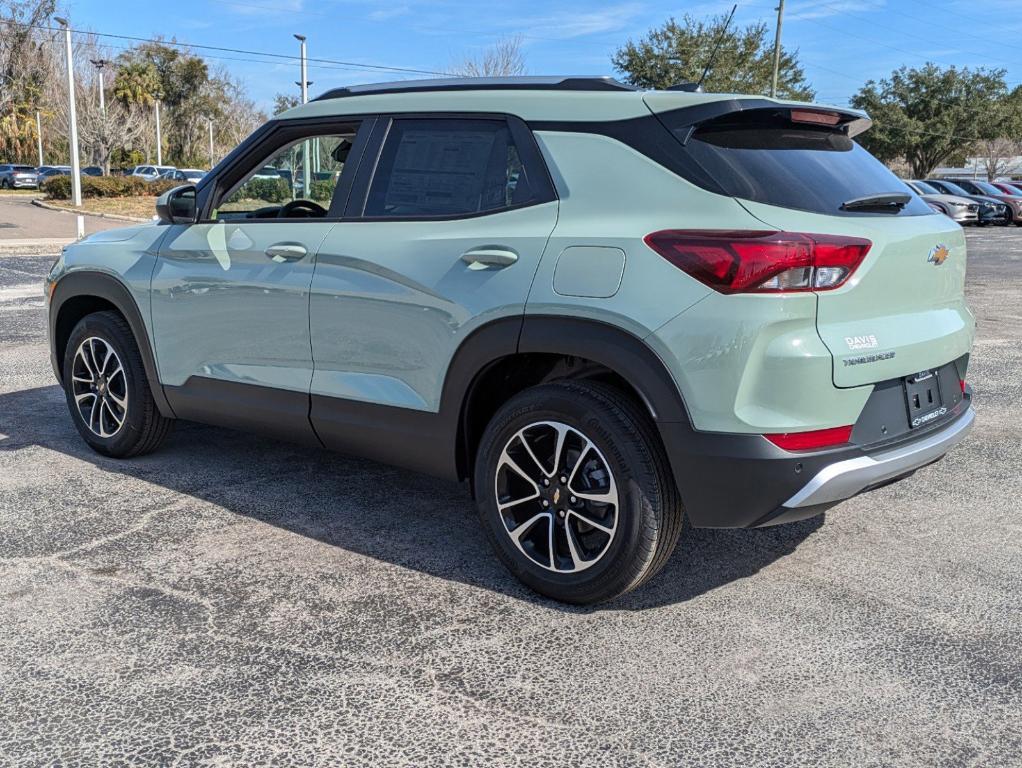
(557, 497)
(100, 387)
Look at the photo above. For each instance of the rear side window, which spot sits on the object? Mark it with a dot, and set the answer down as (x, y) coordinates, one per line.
(761, 155)
(447, 167)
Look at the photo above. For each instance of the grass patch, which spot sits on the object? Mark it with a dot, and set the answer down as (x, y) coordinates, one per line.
(137, 207)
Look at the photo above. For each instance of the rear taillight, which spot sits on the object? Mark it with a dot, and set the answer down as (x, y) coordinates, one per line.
(807, 441)
(761, 262)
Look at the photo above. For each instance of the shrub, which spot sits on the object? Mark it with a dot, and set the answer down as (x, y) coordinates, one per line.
(266, 190)
(59, 187)
(322, 190)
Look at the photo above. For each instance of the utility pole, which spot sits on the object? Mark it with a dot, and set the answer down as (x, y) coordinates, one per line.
(39, 135)
(104, 150)
(76, 178)
(159, 141)
(99, 64)
(212, 162)
(777, 48)
(306, 149)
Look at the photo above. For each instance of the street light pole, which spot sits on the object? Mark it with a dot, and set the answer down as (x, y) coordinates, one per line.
(99, 64)
(306, 149)
(76, 178)
(211, 161)
(159, 141)
(39, 135)
(777, 48)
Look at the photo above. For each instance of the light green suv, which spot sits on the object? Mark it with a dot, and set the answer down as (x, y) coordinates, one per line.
(606, 309)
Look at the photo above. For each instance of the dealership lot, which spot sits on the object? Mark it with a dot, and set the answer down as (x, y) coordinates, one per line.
(230, 600)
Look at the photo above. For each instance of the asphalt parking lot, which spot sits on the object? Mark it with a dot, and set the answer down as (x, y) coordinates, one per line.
(235, 601)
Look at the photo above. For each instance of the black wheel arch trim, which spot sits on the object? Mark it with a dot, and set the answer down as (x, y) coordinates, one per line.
(101, 285)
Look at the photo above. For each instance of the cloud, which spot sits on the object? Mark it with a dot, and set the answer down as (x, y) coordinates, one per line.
(393, 12)
(567, 24)
(816, 10)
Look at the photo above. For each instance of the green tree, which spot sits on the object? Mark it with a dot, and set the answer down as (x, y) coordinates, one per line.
(23, 75)
(137, 83)
(677, 52)
(282, 102)
(930, 115)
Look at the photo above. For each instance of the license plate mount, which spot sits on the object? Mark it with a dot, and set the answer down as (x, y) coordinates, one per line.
(923, 398)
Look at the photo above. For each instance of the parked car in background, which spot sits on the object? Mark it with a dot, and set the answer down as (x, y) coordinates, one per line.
(92, 170)
(1008, 187)
(1013, 201)
(961, 209)
(18, 176)
(184, 175)
(991, 210)
(49, 171)
(752, 321)
(151, 172)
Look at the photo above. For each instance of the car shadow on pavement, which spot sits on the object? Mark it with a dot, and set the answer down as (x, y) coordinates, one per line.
(391, 515)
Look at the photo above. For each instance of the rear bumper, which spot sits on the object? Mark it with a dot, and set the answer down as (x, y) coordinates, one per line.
(744, 481)
(844, 479)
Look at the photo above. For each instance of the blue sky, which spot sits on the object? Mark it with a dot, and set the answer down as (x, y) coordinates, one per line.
(842, 43)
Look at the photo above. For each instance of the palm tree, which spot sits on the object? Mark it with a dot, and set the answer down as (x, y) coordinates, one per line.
(137, 83)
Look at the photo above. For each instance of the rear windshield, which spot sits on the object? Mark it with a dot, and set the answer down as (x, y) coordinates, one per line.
(761, 155)
(924, 188)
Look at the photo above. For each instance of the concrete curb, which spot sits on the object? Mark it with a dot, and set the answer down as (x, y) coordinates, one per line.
(83, 212)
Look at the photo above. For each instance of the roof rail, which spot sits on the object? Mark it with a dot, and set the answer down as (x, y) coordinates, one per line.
(532, 83)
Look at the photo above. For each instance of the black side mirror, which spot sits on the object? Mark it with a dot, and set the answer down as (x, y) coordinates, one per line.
(177, 206)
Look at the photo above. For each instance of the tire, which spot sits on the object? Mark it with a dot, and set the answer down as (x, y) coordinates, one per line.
(115, 413)
(601, 549)
(4, 184)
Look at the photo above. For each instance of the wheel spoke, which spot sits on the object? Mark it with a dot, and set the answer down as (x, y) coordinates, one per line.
(532, 455)
(83, 395)
(576, 559)
(578, 463)
(107, 354)
(85, 361)
(120, 402)
(507, 461)
(516, 502)
(589, 521)
(525, 527)
(604, 497)
(93, 416)
(81, 380)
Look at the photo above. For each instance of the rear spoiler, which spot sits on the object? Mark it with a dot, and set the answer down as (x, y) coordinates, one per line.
(851, 121)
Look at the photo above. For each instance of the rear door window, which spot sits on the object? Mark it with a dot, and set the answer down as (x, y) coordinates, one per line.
(440, 167)
(761, 155)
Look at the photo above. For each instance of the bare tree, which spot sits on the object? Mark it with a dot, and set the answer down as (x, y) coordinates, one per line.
(502, 59)
(999, 156)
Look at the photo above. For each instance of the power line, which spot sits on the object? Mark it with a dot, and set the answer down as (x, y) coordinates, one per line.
(283, 56)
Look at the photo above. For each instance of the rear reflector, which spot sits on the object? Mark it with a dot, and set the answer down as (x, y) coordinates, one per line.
(807, 441)
(961, 382)
(761, 262)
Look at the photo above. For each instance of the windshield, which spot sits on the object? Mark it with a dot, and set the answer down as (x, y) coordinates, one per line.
(989, 189)
(763, 156)
(954, 189)
(924, 188)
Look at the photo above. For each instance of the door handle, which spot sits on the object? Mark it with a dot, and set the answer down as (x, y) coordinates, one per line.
(481, 258)
(284, 252)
